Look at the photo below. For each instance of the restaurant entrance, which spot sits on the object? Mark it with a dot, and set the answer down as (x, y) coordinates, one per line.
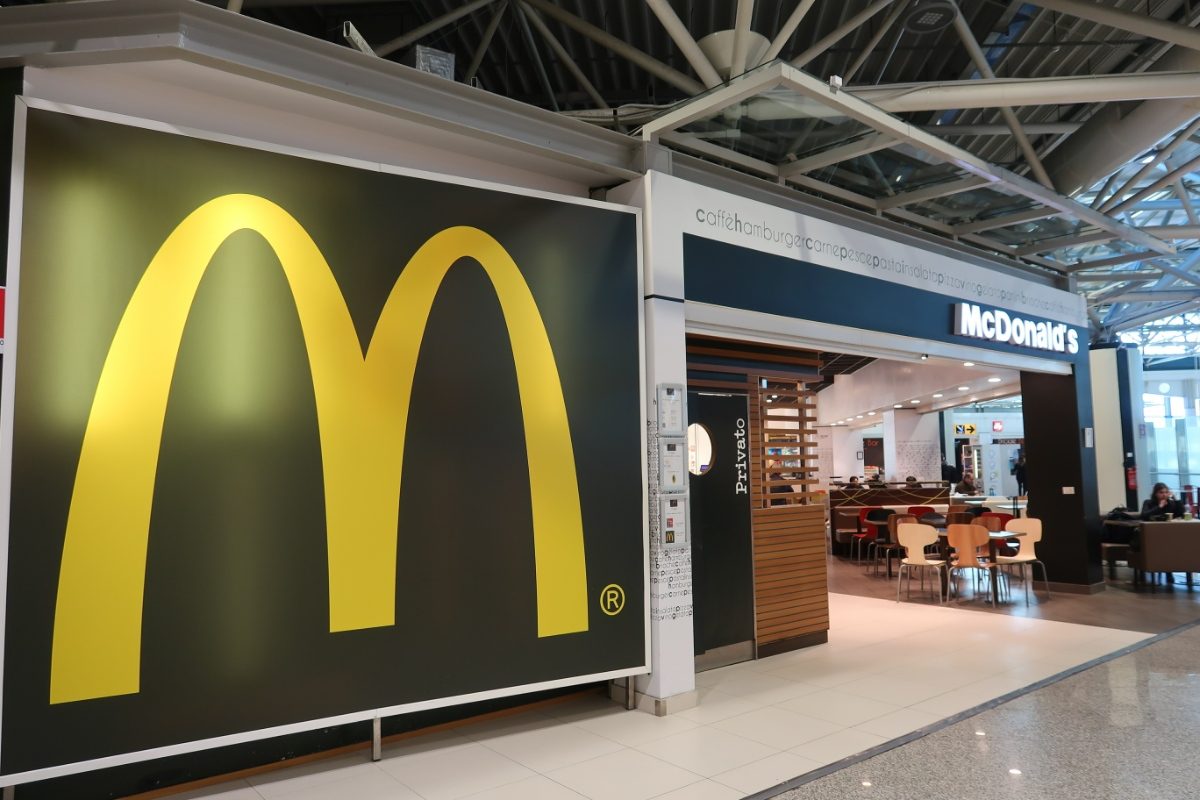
(722, 559)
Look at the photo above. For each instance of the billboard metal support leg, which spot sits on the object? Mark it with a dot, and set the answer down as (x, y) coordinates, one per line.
(10, 792)
(630, 693)
(376, 739)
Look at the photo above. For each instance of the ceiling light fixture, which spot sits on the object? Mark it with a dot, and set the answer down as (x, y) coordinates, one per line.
(964, 388)
(968, 363)
(870, 413)
(939, 394)
(914, 401)
(993, 380)
(924, 356)
(898, 405)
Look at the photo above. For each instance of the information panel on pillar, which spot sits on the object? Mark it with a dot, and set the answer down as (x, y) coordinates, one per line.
(296, 443)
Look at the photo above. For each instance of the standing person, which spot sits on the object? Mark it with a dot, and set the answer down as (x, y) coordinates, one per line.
(1161, 502)
(950, 473)
(1019, 474)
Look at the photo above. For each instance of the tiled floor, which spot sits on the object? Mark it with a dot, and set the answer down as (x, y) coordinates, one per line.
(1117, 731)
(888, 669)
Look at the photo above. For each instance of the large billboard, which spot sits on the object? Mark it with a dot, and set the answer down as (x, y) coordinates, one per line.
(295, 442)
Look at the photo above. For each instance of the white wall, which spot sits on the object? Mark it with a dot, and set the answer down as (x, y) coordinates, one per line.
(911, 445)
(1106, 417)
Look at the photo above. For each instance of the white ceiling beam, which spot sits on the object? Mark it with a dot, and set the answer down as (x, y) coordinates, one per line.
(564, 57)
(603, 38)
(686, 43)
(486, 41)
(786, 31)
(1047, 245)
(1161, 183)
(1160, 156)
(865, 145)
(932, 192)
(1010, 117)
(876, 38)
(1125, 21)
(991, 223)
(1013, 92)
(741, 29)
(840, 32)
(421, 31)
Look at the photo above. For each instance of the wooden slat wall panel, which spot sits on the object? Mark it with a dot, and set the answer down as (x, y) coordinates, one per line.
(791, 588)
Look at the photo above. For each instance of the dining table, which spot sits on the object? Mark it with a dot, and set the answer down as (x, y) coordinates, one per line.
(994, 540)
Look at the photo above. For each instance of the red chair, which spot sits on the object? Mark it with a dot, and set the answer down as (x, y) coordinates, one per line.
(863, 537)
(920, 511)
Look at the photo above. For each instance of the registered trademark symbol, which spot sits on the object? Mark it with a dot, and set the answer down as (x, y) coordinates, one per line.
(612, 599)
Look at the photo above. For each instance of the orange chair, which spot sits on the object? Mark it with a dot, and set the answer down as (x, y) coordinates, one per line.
(967, 542)
(892, 545)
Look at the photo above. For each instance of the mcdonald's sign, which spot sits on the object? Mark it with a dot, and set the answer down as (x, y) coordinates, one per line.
(295, 442)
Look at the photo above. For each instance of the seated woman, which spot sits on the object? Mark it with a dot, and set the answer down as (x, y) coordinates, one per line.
(1161, 502)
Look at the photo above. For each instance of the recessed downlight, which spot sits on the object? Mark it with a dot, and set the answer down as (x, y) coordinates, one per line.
(964, 388)
(993, 380)
(968, 363)
(858, 416)
(914, 401)
(939, 394)
(870, 413)
(898, 405)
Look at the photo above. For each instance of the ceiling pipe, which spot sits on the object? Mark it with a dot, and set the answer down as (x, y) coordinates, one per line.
(741, 27)
(418, 33)
(486, 41)
(564, 57)
(875, 40)
(1115, 136)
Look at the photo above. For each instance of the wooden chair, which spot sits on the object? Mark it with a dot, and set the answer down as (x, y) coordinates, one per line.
(914, 538)
(966, 541)
(960, 518)
(955, 508)
(1032, 528)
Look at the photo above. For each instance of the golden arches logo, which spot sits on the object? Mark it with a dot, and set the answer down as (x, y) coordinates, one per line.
(362, 415)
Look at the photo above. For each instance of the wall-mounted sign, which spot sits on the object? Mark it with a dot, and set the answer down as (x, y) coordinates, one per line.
(997, 325)
(967, 429)
(251, 394)
(670, 409)
(997, 426)
(673, 522)
(672, 465)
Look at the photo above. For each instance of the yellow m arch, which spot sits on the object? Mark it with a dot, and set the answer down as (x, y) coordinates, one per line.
(362, 413)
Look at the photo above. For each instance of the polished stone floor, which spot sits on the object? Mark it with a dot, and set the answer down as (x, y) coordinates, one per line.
(1125, 729)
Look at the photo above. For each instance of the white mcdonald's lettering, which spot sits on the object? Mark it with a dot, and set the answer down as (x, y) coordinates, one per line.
(1000, 326)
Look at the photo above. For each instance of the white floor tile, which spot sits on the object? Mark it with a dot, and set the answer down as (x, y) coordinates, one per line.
(703, 790)
(898, 723)
(762, 689)
(768, 772)
(623, 775)
(373, 785)
(707, 751)
(550, 745)
(840, 707)
(715, 705)
(838, 745)
(535, 788)
(631, 728)
(454, 772)
(233, 790)
(777, 727)
(313, 773)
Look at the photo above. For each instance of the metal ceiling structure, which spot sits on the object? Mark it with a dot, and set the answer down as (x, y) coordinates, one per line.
(1064, 134)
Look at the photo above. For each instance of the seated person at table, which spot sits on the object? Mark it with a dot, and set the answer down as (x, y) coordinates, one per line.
(876, 482)
(967, 485)
(1161, 503)
(853, 483)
